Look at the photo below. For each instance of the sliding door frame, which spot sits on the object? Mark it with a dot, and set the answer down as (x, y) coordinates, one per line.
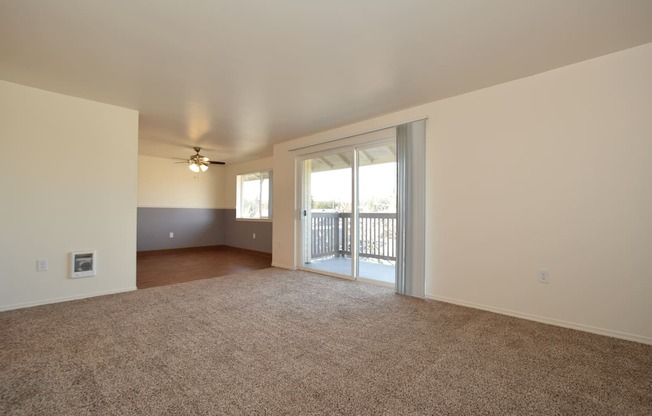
(302, 205)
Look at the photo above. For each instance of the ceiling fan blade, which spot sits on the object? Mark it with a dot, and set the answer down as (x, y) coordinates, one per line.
(198, 159)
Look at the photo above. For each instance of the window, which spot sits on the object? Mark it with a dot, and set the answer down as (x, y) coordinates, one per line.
(254, 196)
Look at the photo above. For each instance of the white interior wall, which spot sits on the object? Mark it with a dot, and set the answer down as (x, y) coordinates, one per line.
(68, 182)
(162, 183)
(165, 184)
(548, 172)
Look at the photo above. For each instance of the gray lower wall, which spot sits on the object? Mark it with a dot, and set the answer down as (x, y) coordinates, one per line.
(195, 227)
(192, 227)
(240, 233)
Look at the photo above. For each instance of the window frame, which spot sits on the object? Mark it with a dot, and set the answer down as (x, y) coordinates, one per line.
(240, 180)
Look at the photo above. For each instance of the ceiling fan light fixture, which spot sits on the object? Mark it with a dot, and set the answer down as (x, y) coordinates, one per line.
(198, 163)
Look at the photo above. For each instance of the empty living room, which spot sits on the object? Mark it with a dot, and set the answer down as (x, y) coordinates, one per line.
(365, 207)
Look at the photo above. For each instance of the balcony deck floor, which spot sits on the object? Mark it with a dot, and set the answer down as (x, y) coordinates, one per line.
(369, 269)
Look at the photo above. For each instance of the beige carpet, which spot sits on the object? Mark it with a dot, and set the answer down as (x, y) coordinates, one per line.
(279, 342)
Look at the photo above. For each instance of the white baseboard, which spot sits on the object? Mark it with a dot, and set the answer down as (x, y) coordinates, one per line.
(283, 266)
(545, 320)
(63, 299)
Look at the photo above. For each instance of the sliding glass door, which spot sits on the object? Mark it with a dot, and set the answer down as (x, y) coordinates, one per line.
(376, 212)
(349, 212)
(327, 195)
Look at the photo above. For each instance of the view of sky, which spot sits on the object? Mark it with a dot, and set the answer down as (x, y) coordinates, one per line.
(378, 181)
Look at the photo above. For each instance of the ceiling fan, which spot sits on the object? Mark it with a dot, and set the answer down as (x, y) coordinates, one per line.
(199, 163)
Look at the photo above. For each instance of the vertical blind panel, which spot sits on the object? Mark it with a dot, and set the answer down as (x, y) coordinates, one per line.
(411, 162)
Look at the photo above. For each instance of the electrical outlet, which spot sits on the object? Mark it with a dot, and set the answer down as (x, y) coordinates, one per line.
(171, 235)
(41, 265)
(254, 237)
(544, 276)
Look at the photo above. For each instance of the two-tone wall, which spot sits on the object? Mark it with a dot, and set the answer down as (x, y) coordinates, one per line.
(178, 208)
(239, 233)
(550, 172)
(68, 183)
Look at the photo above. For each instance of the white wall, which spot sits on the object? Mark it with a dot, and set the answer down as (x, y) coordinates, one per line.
(68, 182)
(165, 184)
(551, 171)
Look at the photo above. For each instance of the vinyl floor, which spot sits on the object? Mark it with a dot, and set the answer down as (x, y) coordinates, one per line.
(166, 267)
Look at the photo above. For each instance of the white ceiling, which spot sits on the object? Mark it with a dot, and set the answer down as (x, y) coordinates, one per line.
(237, 76)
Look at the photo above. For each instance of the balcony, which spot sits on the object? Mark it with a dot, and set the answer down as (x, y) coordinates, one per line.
(330, 245)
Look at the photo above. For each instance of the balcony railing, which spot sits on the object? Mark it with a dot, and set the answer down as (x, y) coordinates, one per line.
(331, 235)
